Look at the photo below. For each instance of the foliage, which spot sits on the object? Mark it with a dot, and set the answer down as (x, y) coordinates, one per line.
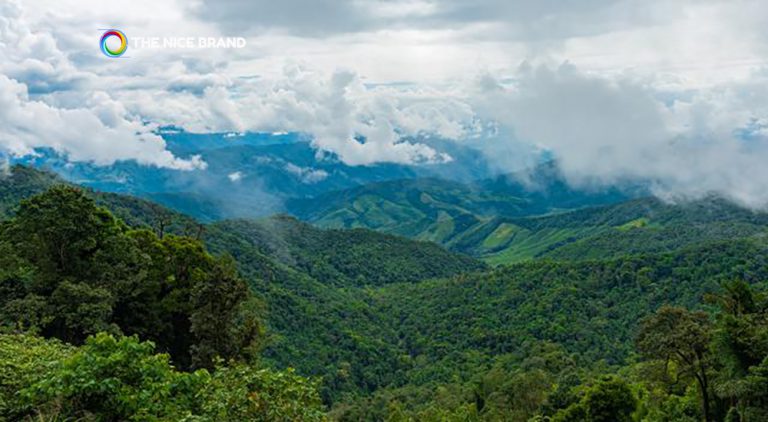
(24, 361)
(75, 270)
(353, 258)
(112, 378)
(120, 378)
(681, 337)
(502, 222)
(609, 400)
(241, 393)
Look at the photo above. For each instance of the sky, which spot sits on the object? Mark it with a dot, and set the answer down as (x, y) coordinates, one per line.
(670, 92)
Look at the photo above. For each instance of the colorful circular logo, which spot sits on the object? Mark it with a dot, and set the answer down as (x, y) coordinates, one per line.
(114, 52)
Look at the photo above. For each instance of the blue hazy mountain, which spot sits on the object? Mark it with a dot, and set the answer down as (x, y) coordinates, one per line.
(259, 174)
(251, 174)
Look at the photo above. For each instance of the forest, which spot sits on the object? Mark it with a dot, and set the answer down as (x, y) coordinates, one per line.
(113, 308)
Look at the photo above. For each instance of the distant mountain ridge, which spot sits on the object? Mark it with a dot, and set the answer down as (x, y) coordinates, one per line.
(250, 174)
(502, 221)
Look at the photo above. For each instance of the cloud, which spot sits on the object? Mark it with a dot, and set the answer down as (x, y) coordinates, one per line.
(603, 129)
(307, 175)
(513, 19)
(609, 131)
(33, 58)
(665, 92)
(98, 134)
(235, 177)
(88, 125)
(310, 17)
(361, 125)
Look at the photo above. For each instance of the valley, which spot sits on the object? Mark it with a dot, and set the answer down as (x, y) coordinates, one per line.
(511, 319)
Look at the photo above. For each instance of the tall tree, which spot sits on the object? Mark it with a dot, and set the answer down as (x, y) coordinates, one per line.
(677, 335)
(218, 300)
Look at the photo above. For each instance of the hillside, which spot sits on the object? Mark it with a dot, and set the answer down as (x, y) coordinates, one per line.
(404, 342)
(23, 182)
(637, 226)
(356, 257)
(303, 273)
(443, 211)
(503, 222)
(428, 209)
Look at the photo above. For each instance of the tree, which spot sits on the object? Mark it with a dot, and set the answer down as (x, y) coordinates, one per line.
(223, 322)
(741, 337)
(676, 335)
(61, 231)
(70, 270)
(116, 378)
(70, 257)
(80, 310)
(741, 348)
(24, 361)
(242, 393)
(608, 400)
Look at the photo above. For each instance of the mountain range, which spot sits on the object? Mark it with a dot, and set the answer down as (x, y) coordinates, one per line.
(249, 174)
(537, 282)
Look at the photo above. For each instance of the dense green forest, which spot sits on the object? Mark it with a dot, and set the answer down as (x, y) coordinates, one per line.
(114, 308)
(73, 273)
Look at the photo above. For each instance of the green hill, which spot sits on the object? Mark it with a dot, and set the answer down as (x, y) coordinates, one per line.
(355, 257)
(501, 222)
(308, 279)
(406, 342)
(448, 213)
(22, 182)
(637, 226)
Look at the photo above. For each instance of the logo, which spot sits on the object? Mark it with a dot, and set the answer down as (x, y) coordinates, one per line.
(112, 34)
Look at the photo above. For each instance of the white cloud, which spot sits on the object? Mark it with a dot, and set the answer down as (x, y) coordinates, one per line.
(612, 130)
(362, 126)
(99, 134)
(33, 58)
(520, 19)
(306, 174)
(668, 92)
(95, 128)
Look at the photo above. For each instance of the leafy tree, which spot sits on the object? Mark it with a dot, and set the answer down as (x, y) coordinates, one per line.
(610, 399)
(62, 232)
(753, 400)
(122, 379)
(676, 335)
(242, 393)
(72, 270)
(24, 361)
(70, 257)
(223, 323)
(740, 345)
(111, 378)
(80, 309)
